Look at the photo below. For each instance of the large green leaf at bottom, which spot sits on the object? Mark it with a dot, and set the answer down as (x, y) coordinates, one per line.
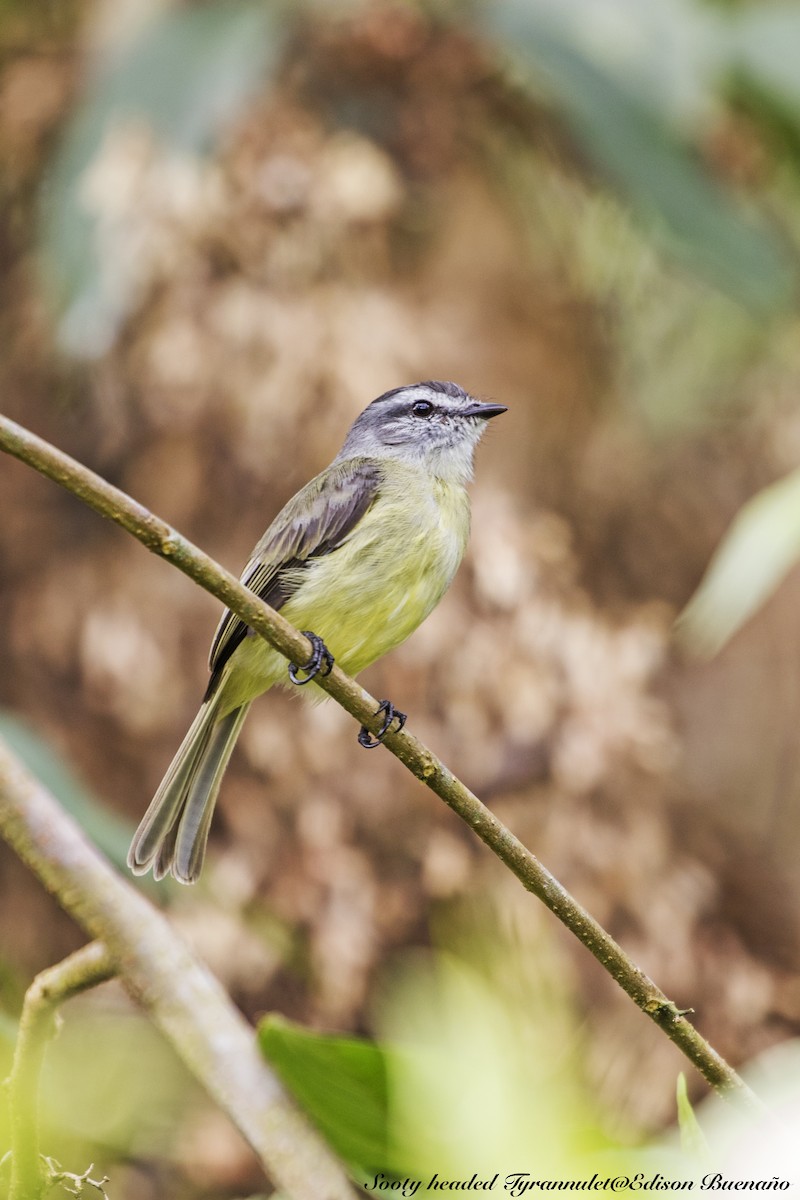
(340, 1082)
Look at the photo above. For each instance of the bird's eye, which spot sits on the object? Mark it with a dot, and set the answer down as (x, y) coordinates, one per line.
(422, 408)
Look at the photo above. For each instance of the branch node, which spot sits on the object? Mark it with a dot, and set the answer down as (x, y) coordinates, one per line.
(663, 1010)
(428, 768)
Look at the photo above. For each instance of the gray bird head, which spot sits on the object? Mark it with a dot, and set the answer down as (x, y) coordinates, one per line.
(433, 425)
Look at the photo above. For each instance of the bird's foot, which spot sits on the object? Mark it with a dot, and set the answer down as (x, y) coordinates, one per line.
(320, 663)
(366, 739)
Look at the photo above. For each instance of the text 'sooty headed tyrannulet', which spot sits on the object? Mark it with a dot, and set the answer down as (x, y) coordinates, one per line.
(360, 556)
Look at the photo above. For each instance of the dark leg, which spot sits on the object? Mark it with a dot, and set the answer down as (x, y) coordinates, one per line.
(320, 663)
(366, 739)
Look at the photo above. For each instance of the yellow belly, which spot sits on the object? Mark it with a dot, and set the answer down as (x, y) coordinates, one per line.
(373, 591)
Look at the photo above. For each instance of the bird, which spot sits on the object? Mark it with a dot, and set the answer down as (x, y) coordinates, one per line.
(357, 558)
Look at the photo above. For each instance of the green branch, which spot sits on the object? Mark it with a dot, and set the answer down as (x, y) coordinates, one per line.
(162, 539)
(83, 970)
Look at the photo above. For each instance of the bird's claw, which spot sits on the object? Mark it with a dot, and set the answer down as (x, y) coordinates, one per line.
(366, 739)
(320, 663)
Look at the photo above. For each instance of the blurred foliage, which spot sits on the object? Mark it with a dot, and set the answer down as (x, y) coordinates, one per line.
(98, 1093)
(480, 1070)
(471, 1076)
(186, 76)
(627, 78)
(110, 1083)
(742, 1146)
(111, 833)
(489, 1074)
(755, 556)
(252, 219)
(609, 70)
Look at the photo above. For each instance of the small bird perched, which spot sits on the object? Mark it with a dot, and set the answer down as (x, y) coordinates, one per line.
(359, 556)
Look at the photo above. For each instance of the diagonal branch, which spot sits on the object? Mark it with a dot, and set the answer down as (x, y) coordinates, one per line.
(165, 541)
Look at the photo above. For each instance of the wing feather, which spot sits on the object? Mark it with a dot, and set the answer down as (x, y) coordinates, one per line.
(316, 521)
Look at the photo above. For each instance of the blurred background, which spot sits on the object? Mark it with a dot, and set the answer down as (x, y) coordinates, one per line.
(225, 228)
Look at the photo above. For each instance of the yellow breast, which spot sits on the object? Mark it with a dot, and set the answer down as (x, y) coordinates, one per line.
(367, 596)
(371, 593)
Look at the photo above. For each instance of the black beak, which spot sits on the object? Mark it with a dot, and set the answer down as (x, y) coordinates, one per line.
(484, 411)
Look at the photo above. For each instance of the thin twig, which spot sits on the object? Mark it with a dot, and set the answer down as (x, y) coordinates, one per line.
(85, 969)
(75, 1184)
(165, 541)
(180, 994)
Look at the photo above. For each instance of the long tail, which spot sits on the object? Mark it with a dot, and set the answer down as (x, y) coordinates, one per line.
(173, 833)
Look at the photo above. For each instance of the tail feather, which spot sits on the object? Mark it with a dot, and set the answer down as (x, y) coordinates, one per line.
(173, 833)
(198, 806)
(162, 815)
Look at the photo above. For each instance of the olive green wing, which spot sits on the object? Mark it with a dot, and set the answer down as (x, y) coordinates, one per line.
(316, 521)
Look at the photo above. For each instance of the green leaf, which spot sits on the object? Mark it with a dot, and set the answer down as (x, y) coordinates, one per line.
(766, 39)
(186, 77)
(693, 1139)
(631, 142)
(341, 1082)
(755, 555)
(111, 833)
